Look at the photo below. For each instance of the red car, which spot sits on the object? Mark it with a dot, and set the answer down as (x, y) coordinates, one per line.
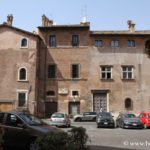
(145, 119)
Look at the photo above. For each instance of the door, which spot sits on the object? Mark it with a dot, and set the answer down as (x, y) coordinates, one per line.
(50, 108)
(74, 108)
(99, 102)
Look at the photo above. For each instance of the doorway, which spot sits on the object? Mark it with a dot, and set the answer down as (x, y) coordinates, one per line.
(100, 101)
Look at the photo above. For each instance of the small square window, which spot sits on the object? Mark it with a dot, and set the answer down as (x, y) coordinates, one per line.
(114, 43)
(106, 72)
(131, 43)
(75, 93)
(98, 43)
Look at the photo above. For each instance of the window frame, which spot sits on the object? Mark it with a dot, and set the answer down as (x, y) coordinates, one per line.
(52, 40)
(21, 46)
(50, 95)
(75, 41)
(52, 75)
(106, 72)
(126, 73)
(131, 43)
(74, 90)
(98, 43)
(26, 76)
(78, 71)
(114, 43)
(26, 98)
(128, 104)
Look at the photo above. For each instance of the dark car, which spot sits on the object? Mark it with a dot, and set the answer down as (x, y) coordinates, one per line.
(105, 119)
(85, 116)
(20, 130)
(128, 120)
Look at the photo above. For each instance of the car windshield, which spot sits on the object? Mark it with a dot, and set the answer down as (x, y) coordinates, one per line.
(31, 120)
(129, 116)
(105, 114)
(58, 115)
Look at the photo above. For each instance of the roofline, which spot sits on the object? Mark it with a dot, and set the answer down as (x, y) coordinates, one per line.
(64, 26)
(18, 29)
(120, 32)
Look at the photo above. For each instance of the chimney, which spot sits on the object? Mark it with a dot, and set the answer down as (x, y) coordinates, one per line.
(9, 20)
(131, 26)
(84, 22)
(46, 22)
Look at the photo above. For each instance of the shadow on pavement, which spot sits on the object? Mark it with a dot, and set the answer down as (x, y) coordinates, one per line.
(94, 147)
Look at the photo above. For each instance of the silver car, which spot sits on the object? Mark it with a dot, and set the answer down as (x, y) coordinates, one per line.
(60, 119)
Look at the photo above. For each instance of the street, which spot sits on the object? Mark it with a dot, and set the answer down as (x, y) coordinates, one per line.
(122, 138)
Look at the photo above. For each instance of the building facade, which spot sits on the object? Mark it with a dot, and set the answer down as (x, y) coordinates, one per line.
(18, 68)
(73, 69)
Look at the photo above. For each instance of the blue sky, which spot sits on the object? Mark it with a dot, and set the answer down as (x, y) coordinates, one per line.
(102, 14)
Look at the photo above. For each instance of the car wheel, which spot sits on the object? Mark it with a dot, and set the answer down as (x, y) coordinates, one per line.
(94, 119)
(33, 145)
(98, 126)
(122, 125)
(78, 119)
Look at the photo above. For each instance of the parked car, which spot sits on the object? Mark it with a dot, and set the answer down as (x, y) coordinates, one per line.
(85, 116)
(105, 119)
(20, 130)
(128, 120)
(145, 119)
(60, 119)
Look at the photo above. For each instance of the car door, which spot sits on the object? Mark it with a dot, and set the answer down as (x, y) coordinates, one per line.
(14, 132)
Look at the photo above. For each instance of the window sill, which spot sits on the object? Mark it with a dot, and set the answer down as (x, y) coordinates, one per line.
(107, 80)
(23, 80)
(24, 47)
(128, 80)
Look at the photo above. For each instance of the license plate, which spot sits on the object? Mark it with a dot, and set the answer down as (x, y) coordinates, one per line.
(134, 124)
(105, 122)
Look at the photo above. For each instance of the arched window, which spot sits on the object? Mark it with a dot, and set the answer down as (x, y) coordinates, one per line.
(24, 42)
(128, 104)
(22, 74)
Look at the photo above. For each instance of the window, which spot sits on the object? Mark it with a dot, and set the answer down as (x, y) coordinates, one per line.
(52, 71)
(127, 72)
(52, 40)
(13, 120)
(98, 43)
(22, 98)
(75, 93)
(24, 43)
(50, 93)
(75, 40)
(114, 43)
(106, 72)
(75, 71)
(1, 117)
(22, 74)
(131, 43)
(128, 104)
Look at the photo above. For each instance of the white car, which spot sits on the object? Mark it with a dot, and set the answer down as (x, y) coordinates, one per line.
(60, 119)
(85, 116)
